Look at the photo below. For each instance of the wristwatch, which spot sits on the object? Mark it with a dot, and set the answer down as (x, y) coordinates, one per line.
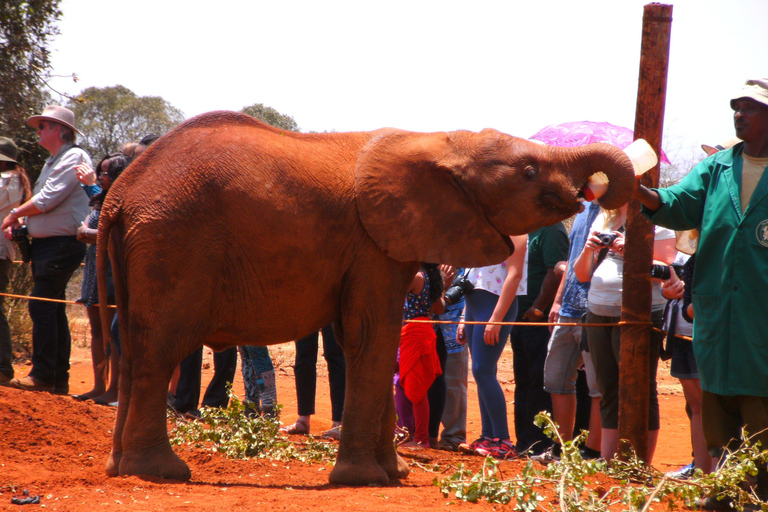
(537, 311)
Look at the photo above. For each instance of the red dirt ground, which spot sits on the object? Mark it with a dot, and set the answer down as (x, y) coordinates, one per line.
(56, 448)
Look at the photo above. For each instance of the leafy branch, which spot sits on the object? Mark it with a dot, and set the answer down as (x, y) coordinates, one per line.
(638, 485)
(237, 432)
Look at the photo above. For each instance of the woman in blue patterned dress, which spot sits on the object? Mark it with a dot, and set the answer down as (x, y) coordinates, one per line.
(110, 167)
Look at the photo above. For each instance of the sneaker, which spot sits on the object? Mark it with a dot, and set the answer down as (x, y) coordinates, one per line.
(470, 447)
(484, 446)
(501, 450)
(549, 456)
(684, 473)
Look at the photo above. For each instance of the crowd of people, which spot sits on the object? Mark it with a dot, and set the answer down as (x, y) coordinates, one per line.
(536, 299)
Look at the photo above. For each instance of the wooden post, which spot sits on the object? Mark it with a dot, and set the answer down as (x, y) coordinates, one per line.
(634, 380)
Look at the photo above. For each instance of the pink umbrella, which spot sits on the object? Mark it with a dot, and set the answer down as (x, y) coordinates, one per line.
(587, 132)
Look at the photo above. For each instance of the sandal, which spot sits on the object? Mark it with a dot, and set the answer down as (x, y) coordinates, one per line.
(298, 428)
(414, 445)
(332, 434)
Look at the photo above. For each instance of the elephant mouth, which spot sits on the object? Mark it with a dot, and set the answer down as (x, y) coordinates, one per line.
(562, 207)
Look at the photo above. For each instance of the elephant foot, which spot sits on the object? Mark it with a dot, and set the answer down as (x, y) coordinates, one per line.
(363, 470)
(159, 461)
(395, 467)
(113, 463)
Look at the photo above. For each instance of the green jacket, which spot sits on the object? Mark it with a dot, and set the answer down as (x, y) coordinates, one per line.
(730, 279)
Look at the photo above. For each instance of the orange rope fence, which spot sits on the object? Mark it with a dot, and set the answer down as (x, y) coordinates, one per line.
(45, 299)
(529, 324)
(543, 324)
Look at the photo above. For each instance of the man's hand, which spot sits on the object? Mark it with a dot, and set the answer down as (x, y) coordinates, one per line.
(9, 223)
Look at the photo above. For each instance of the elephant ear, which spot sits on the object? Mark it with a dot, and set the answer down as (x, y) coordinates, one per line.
(411, 202)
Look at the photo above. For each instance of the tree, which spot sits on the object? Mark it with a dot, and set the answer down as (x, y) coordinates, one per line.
(111, 116)
(26, 30)
(272, 117)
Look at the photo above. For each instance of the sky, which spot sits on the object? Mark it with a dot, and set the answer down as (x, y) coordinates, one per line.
(421, 65)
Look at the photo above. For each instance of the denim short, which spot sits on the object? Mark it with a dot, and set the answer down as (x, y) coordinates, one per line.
(683, 364)
(564, 358)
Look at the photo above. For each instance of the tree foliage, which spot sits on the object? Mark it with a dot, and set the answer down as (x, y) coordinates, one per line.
(26, 30)
(111, 116)
(272, 117)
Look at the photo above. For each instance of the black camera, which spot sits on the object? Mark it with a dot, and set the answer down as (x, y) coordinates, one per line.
(20, 235)
(458, 289)
(606, 239)
(660, 272)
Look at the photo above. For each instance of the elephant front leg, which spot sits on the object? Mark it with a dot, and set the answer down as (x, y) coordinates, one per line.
(366, 450)
(392, 463)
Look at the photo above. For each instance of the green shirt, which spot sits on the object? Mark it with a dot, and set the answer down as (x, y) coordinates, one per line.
(730, 280)
(546, 247)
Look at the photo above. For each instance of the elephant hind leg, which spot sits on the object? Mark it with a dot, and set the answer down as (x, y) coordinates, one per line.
(141, 445)
(123, 402)
(155, 461)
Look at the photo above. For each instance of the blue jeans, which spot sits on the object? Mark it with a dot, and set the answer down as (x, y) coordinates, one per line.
(493, 404)
(54, 260)
(258, 378)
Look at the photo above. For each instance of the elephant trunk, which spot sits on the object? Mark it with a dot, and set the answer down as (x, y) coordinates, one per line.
(587, 162)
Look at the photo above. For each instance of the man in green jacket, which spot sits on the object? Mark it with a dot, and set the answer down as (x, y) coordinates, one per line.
(726, 198)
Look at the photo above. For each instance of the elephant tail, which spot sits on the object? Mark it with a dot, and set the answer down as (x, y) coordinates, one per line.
(109, 214)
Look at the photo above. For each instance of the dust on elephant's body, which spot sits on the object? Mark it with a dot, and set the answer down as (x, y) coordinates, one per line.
(227, 231)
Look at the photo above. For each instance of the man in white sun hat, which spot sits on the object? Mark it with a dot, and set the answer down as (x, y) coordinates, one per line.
(57, 207)
(725, 197)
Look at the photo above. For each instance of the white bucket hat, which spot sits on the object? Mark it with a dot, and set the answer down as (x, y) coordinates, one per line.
(755, 90)
(55, 114)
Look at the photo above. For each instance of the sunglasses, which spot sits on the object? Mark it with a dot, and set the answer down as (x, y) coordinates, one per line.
(43, 125)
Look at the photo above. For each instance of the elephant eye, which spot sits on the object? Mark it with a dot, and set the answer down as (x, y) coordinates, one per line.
(530, 172)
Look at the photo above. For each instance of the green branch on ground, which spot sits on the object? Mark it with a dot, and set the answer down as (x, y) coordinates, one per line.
(239, 433)
(638, 485)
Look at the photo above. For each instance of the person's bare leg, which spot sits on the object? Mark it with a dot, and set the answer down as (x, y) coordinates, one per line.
(174, 381)
(97, 355)
(609, 443)
(653, 439)
(109, 395)
(594, 437)
(564, 414)
(692, 392)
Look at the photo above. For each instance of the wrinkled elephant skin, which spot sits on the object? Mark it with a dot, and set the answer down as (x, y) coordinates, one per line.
(227, 231)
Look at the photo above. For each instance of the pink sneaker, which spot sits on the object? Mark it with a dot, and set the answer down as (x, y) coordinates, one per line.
(502, 450)
(471, 447)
